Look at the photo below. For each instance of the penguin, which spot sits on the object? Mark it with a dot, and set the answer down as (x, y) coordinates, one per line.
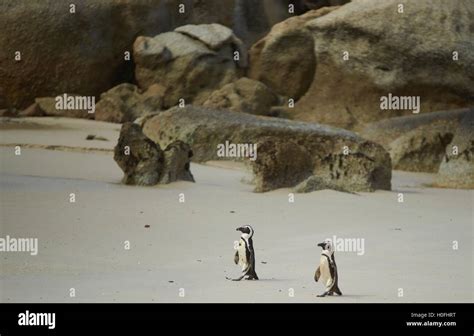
(245, 254)
(327, 269)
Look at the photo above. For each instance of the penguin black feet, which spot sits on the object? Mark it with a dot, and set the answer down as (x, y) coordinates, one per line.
(244, 277)
(252, 277)
(330, 293)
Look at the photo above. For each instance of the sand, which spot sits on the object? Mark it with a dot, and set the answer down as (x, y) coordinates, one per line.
(187, 250)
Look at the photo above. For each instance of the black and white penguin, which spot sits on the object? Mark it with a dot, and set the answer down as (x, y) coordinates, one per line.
(327, 269)
(245, 254)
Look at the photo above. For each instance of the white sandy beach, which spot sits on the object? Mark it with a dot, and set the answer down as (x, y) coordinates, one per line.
(190, 245)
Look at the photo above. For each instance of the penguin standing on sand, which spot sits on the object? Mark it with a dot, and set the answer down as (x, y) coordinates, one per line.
(245, 254)
(327, 269)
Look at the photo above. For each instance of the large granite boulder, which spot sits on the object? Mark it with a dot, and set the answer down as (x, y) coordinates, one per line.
(280, 164)
(417, 143)
(189, 63)
(420, 150)
(145, 163)
(47, 106)
(457, 168)
(126, 102)
(84, 52)
(284, 59)
(244, 95)
(331, 153)
(140, 159)
(368, 49)
(387, 130)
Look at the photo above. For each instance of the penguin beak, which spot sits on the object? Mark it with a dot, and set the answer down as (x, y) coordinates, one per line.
(321, 245)
(239, 229)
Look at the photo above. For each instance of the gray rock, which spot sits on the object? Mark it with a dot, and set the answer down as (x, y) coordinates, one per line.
(366, 168)
(386, 131)
(46, 106)
(404, 54)
(177, 163)
(244, 95)
(89, 58)
(88, 45)
(126, 102)
(280, 164)
(417, 143)
(140, 159)
(420, 150)
(145, 163)
(213, 35)
(32, 111)
(457, 169)
(149, 51)
(284, 59)
(192, 72)
(173, 44)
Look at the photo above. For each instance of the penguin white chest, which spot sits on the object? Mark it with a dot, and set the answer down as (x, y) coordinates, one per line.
(243, 262)
(325, 271)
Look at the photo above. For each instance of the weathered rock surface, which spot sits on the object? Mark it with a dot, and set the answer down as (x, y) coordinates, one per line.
(244, 95)
(177, 163)
(420, 150)
(89, 44)
(214, 36)
(280, 164)
(145, 163)
(367, 167)
(284, 59)
(405, 54)
(457, 168)
(386, 131)
(315, 183)
(126, 102)
(46, 106)
(186, 67)
(31, 111)
(417, 143)
(140, 158)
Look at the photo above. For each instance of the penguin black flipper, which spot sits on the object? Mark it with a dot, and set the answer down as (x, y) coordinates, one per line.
(236, 257)
(317, 274)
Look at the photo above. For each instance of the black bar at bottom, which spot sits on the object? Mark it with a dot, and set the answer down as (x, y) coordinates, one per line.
(443, 319)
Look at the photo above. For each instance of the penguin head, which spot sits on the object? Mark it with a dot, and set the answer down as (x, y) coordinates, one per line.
(247, 229)
(326, 245)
